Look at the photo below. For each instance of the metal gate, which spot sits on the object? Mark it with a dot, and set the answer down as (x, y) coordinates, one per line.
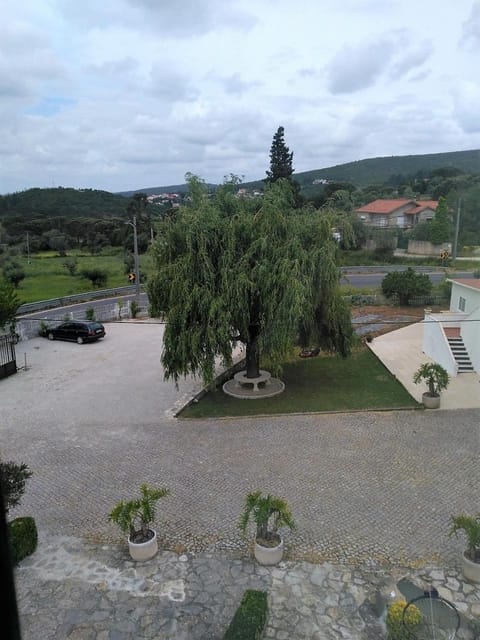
(8, 362)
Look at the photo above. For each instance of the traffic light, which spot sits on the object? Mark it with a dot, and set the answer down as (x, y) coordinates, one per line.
(131, 277)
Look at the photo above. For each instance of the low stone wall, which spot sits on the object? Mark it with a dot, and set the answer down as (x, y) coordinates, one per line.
(424, 248)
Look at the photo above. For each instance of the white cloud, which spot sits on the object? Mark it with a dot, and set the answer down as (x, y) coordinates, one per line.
(471, 28)
(135, 93)
(467, 107)
(357, 67)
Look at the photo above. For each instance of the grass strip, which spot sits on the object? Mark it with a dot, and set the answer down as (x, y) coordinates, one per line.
(250, 618)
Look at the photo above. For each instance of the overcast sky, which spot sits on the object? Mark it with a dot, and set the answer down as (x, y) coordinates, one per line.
(125, 94)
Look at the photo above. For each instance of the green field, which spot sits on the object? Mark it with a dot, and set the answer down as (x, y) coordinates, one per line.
(328, 383)
(47, 278)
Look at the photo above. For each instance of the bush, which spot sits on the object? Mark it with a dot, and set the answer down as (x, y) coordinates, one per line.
(395, 627)
(406, 285)
(98, 277)
(12, 478)
(23, 538)
(250, 618)
(134, 308)
(90, 313)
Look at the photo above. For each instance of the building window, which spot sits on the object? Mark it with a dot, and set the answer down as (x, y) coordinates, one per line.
(461, 303)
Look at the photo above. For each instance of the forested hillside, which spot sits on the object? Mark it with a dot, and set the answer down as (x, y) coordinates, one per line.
(61, 219)
(66, 218)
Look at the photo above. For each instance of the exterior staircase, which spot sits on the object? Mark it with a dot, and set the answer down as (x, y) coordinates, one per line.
(459, 351)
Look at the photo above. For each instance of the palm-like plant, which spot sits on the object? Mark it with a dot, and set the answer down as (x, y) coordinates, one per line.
(434, 375)
(269, 514)
(135, 517)
(470, 525)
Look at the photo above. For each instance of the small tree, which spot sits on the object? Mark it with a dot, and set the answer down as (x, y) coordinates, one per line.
(98, 277)
(9, 303)
(440, 226)
(406, 285)
(14, 273)
(12, 479)
(71, 265)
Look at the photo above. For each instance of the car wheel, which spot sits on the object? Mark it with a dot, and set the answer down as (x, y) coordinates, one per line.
(79, 340)
(50, 336)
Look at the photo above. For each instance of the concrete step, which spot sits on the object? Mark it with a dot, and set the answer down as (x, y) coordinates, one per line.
(460, 354)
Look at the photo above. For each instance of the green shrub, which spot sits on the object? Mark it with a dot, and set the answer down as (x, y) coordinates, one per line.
(395, 619)
(134, 308)
(23, 538)
(98, 277)
(250, 618)
(90, 313)
(12, 479)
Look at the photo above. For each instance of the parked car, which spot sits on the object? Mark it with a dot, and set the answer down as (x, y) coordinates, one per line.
(78, 330)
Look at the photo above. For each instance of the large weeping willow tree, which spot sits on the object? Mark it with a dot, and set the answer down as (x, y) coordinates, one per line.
(256, 271)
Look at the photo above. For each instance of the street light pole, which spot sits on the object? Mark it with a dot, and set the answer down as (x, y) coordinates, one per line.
(135, 258)
(457, 228)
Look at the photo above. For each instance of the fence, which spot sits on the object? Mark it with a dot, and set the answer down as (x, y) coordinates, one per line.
(8, 361)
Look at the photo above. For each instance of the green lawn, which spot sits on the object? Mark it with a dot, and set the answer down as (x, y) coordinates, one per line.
(327, 383)
(47, 278)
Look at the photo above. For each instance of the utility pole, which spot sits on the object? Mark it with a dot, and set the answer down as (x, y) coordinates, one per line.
(133, 223)
(457, 227)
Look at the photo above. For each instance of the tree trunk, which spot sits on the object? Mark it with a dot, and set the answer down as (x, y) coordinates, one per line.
(253, 352)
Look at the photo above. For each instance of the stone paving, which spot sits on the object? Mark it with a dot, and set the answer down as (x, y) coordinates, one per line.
(73, 590)
(93, 423)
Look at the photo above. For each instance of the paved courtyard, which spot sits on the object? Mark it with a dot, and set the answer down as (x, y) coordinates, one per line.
(93, 423)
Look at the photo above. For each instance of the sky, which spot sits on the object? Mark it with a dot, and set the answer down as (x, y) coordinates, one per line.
(130, 94)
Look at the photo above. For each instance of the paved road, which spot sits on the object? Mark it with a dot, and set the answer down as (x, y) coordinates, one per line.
(91, 422)
(360, 280)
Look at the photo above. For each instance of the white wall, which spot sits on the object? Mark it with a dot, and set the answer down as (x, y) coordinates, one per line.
(435, 343)
(472, 298)
(470, 332)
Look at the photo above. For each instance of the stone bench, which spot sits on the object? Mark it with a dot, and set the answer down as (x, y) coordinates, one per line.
(242, 380)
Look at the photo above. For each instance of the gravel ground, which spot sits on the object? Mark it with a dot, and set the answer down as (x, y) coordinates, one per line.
(92, 422)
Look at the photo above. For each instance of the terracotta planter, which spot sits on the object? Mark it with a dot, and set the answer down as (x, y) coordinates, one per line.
(268, 555)
(430, 402)
(471, 570)
(144, 550)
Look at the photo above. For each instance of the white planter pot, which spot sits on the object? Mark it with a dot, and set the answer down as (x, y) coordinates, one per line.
(430, 402)
(471, 570)
(268, 555)
(144, 550)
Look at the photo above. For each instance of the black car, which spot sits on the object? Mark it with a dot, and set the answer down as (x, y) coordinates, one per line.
(78, 330)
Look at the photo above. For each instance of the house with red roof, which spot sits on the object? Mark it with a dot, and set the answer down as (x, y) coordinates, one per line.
(400, 212)
(452, 338)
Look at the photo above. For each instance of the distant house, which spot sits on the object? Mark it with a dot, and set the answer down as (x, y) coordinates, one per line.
(402, 212)
(452, 338)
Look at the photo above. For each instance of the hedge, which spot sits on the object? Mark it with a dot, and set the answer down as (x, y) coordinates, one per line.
(23, 538)
(250, 618)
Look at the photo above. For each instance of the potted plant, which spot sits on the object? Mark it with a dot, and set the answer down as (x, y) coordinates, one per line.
(136, 518)
(269, 514)
(436, 378)
(470, 525)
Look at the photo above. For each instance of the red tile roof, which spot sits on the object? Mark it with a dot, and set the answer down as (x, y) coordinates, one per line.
(468, 282)
(422, 205)
(384, 206)
(390, 206)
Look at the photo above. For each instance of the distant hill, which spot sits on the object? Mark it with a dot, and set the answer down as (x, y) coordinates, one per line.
(150, 191)
(66, 202)
(363, 173)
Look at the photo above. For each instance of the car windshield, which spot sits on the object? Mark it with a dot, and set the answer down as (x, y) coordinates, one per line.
(95, 325)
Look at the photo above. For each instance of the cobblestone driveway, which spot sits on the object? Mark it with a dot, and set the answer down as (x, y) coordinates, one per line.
(90, 421)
